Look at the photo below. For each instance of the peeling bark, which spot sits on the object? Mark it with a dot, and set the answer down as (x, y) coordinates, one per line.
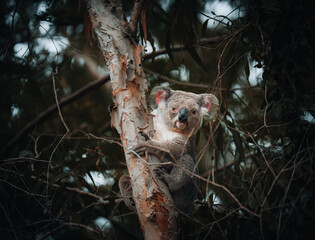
(152, 199)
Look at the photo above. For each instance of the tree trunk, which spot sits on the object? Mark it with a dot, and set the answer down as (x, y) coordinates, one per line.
(154, 205)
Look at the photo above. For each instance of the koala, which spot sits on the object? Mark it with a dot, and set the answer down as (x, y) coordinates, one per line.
(177, 116)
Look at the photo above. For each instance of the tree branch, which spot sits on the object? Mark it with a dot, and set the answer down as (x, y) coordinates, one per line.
(133, 23)
(219, 169)
(51, 110)
(195, 85)
(180, 47)
(87, 88)
(97, 231)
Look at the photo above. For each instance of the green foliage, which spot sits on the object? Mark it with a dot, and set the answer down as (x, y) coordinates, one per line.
(256, 160)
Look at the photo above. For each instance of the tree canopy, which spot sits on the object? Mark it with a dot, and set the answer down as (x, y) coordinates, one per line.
(61, 159)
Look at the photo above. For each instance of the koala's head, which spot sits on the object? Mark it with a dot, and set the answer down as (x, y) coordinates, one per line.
(182, 111)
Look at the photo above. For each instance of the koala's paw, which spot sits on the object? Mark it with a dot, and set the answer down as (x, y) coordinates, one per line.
(147, 147)
(140, 149)
(146, 136)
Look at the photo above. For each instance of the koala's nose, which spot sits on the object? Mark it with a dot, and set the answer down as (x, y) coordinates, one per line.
(183, 115)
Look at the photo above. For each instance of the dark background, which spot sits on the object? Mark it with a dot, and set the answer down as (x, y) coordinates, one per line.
(257, 57)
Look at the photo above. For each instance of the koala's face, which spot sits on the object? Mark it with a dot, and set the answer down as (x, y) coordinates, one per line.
(182, 112)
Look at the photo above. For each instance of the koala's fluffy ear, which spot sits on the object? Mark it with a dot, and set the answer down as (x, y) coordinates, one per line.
(209, 106)
(158, 95)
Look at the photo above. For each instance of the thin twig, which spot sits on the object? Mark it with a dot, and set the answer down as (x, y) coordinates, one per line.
(9, 220)
(98, 232)
(195, 85)
(86, 89)
(51, 110)
(219, 186)
(262, 153)
(21, 189)
(64, 124)
(216, 170)
(290, 182)
(179, 47)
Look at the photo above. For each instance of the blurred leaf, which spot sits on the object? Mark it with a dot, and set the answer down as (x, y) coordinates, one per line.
(80, 200)
(144, 21)
(151, 40)
(247, 71)
(239, 149)
(204, 28)
(83, 181)
(192, 51)
(90, 176)
(219, 145)
(168, 42)
(160, 13)
(280, 43)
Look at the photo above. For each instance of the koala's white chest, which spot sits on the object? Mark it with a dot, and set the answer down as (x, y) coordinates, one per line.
(162, 133)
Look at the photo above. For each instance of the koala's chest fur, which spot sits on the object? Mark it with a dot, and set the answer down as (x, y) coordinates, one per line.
(175, 142)
(162, 133)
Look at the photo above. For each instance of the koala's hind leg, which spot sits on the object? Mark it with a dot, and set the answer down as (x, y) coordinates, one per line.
(126, 192)
(178, 177)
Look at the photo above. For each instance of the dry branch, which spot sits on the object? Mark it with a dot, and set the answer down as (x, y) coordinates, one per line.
(51, 110)
(196, 85)
(133, 23)
(86, 89)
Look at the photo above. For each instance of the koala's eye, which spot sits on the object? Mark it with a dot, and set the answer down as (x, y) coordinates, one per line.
(193, 112)
(174, 109)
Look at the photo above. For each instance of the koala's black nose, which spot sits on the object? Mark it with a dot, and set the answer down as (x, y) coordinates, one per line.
(183, 115)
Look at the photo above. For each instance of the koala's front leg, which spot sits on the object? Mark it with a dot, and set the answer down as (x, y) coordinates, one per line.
(155, 148)
(178, 177)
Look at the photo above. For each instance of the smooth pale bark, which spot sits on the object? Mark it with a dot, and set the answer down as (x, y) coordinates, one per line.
(154, 205)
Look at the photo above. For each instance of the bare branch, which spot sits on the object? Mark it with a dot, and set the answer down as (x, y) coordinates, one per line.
(64, 124)
(196, 85)
(97, 232)
(9, 220)
(51, 110)
(219, 169)
(262, 153)
(86, 89)
(133, 23)
(180, 47)
(219, 186)
(21, 189)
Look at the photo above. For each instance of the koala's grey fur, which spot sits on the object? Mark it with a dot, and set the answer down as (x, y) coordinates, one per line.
(177, 117)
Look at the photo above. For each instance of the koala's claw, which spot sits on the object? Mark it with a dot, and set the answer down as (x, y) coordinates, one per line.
(146, 136)
(140, 149)
(146, 147)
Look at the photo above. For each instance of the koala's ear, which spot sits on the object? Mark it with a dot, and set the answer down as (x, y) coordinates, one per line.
(158, 95)
(209, 106)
